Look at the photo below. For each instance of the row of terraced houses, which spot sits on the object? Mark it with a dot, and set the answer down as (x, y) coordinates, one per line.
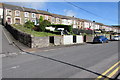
(19, 15)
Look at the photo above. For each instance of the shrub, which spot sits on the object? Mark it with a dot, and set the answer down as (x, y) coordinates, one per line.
(29, 24)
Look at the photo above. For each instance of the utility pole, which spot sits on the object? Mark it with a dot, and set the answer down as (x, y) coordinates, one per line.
(93, 28)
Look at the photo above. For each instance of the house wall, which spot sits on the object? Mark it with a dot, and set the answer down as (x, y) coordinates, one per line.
(75, 22)
(1, 12)
(86, 24)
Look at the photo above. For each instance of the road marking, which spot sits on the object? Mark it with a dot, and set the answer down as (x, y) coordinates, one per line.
(113, 73)
(108, 70)
(15, 67)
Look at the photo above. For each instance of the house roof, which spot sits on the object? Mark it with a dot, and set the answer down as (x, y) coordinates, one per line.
(43, 12)
(99, 23)
(13, 7)
(118, 26)
(60, 16)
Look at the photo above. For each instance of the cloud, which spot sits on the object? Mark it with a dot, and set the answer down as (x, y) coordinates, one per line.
(38, 5)
(69, 12)
(34, 5)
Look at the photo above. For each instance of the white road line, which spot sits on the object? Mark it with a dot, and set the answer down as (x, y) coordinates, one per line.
(14, 67)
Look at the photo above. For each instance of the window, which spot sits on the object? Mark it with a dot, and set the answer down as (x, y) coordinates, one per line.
(26, 14)
(33, 15)
(9, 20)
(57, 20)
(53, 19)
(46, 17)
(17, 13)
(9, 12)
(17, 20)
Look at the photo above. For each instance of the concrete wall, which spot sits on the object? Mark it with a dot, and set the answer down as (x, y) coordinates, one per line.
(79, 39)
(67, 39)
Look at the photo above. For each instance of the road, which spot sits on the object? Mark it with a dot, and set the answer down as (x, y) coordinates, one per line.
(81, 61)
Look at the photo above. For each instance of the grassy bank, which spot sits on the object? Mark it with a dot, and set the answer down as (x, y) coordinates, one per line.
(32, 32)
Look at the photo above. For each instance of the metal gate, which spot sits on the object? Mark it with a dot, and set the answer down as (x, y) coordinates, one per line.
(74, 39)
(51, 39)
(84, 38)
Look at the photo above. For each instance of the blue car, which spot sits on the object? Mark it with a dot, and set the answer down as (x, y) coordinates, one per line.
(100, 39)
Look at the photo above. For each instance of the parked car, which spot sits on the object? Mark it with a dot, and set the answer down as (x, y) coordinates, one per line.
(117, 38)
(100, 39)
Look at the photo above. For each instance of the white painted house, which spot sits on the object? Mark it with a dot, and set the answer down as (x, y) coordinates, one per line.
(1, 10)
(86, 24)
(74, 24)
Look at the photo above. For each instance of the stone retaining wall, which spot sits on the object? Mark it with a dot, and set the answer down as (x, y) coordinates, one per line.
(20, 36)
(58, 40)
(89, 38)
(39, 42)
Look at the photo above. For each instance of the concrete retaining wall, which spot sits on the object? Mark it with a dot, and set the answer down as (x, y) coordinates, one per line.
(79, 39)
(67, 39)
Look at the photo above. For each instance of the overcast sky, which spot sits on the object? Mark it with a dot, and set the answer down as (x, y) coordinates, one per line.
(103, 12)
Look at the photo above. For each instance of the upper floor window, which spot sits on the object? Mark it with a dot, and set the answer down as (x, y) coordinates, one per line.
(46, 17)
(17, 13)
(26, 14)
(53, 19)
(33, 15)
(57, 20)
(9, 12)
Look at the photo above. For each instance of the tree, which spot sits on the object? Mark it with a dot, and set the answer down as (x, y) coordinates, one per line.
(29, 24)
(43, 24)
(41, 19)
(70, 29)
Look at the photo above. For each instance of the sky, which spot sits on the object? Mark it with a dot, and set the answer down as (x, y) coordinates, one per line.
(103, 12)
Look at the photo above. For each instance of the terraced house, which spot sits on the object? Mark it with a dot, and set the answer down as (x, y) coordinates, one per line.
(19, 15)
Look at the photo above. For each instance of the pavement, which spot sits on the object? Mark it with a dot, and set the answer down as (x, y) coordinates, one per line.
(8, 48)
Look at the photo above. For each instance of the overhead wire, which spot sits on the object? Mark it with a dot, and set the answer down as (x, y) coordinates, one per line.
(86, 10)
